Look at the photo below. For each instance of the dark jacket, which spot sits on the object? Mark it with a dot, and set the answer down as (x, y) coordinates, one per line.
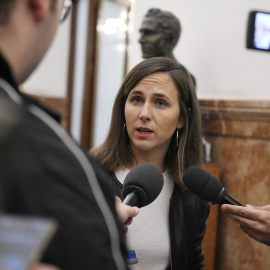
(187, 219)
(46, 174)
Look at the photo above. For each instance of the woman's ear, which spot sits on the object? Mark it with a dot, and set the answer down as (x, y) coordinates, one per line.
(39, 9)
(181, 122)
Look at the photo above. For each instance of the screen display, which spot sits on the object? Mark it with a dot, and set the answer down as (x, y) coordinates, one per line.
(23, 240)
(258, 31)
(262, 31)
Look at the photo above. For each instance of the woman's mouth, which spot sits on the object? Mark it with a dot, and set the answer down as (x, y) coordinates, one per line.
(144, 132)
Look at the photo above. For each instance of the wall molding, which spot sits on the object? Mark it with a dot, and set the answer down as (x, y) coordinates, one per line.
(240, 118)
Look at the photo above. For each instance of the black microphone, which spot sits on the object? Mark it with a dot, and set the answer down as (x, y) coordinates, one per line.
(142, 185)
(207, 186)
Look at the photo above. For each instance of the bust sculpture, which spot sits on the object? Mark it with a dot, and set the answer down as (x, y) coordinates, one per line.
(160, 32)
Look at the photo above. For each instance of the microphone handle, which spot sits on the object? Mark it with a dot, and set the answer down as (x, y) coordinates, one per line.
(229, 200)
(132, 199)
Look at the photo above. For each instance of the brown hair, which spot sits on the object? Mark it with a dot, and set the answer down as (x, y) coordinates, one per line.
(5, 10)
(115, 152)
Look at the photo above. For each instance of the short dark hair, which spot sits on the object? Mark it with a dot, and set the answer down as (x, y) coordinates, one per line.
(167, 22)
(115, 152)
(5, 10)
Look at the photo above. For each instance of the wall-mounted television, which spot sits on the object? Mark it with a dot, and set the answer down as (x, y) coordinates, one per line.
(258, 31)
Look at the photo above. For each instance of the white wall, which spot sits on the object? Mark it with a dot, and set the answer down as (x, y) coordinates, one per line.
(50, 78)
(212, 46)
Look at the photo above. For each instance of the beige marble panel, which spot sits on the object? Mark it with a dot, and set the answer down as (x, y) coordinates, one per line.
(239, 133)
(209, 243)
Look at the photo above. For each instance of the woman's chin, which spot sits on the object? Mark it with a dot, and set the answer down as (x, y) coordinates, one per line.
(143, 146)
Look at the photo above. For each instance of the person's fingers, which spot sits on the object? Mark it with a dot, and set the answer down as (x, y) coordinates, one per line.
(125, 211)
(42, 266)
(133, 211)
(236, 213)
(244, 212)
(238, 219)
(257, 235)
(260, 226)
(265, 207)
(228, 208)
(253, 220)
(129, 221)
(117, 199)
(249, 232)
(125, 227)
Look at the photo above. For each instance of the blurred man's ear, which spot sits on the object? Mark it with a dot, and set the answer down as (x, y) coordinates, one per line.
(39, 8)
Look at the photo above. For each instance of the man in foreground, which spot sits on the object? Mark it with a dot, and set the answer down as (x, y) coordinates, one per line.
(45, 173)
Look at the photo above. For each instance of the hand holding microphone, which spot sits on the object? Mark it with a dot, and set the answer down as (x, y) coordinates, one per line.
(125, 212)
(253, 220)
(141, 187)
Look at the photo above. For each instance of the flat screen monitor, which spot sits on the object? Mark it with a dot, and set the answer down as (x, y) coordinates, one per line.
(258, 31)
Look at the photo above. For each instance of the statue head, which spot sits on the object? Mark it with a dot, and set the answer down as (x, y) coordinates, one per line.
(160, 32)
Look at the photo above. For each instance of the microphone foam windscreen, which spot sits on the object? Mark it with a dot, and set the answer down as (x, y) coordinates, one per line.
(146, 180)
(202, 183)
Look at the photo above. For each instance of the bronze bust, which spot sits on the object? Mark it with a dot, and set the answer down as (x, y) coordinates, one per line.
(160, 32)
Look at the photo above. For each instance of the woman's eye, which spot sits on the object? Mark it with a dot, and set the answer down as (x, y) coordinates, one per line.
(161, 103)
(136, 100)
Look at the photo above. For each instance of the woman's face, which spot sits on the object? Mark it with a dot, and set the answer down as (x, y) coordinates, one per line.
(152, 113)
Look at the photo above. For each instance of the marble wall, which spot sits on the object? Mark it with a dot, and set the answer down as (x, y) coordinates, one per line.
(239, 133)
(209, 243)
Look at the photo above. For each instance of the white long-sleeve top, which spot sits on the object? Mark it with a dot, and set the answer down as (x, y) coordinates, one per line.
(149, 233)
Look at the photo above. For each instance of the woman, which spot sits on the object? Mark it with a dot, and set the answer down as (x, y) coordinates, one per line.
(156, 119)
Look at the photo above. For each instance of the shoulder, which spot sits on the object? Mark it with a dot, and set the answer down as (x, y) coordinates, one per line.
(195, 198)
(112, 183)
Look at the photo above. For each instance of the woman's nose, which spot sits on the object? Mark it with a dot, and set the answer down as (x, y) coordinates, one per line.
(145, 113)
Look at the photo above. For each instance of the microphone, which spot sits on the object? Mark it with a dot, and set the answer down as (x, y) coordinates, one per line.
(207, 187)
(142, 185)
